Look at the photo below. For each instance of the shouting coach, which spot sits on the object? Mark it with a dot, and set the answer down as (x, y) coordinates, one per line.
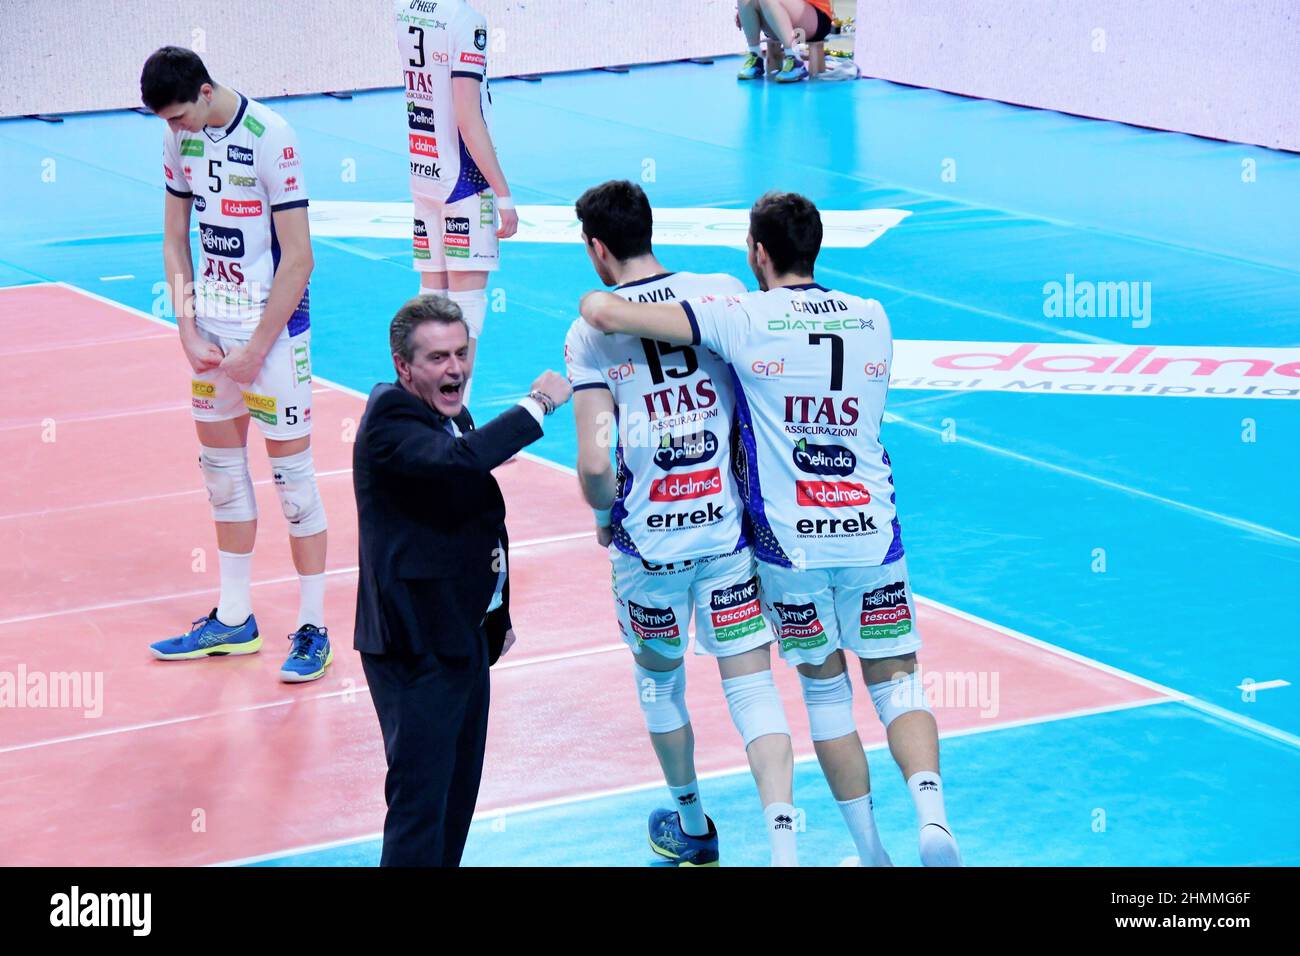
(433, 595)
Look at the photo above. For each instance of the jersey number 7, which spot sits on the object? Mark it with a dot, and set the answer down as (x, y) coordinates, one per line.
(837, 357)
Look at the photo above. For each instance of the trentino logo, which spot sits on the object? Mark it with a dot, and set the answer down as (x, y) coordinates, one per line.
(221, 241)
(824, 459)
(683, 451)
(238, 154)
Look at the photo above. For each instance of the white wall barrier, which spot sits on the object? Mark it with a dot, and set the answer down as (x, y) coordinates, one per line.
(1229, 69)
(63, 56)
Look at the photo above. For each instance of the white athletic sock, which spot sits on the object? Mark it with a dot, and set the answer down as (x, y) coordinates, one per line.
(690, 809)
(938, 845)
(861, 821)
(790, 51)
(236, 601)
(780, 819)
(311, 600)
(756, 49)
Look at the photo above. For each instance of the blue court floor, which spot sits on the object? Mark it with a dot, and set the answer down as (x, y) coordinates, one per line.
(1200, 529)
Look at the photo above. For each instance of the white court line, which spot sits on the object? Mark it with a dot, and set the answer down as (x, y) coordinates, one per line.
(710, 775)
(286, 702)
(1216, 516)
(114, 278)
(1213, 710)
(105, 416)
(86, 343)
(1264, 685)
(266, 582)
(1204, 706)
(115, 502)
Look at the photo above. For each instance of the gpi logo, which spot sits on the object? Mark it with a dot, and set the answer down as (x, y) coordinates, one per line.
(623, 372)
(768, 369)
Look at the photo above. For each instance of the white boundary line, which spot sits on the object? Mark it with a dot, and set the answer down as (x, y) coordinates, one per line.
(1170, 695)
(286, 579)
(1239, 523)
(737, 769)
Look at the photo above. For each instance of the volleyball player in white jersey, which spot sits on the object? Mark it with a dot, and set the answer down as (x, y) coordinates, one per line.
(674, 518)
(811, 367)
(245, 329)
(456, 180)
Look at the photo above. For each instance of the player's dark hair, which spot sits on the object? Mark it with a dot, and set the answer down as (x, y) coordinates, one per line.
(172, 74)
(618, 214)
(412, 315)
(790, 229)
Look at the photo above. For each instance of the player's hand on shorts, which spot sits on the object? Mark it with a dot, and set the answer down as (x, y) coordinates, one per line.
(555, 385)
(604, 535)
(242, 364)
(203, 355)
(509, 642)
(509, 223)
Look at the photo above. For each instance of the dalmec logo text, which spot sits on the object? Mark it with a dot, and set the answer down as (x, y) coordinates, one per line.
(424, 146)
(691, 484)
(831, 494)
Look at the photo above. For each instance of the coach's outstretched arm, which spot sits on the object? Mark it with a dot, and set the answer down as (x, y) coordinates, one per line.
(662, 321)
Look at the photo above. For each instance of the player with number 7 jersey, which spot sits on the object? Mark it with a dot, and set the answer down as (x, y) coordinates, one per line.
(811, 370)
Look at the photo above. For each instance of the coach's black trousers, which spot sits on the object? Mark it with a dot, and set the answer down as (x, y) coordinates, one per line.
(433, 716)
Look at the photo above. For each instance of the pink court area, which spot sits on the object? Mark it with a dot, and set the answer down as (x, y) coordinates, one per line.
(106, 545)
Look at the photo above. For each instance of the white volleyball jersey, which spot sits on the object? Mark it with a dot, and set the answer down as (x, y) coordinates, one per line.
(676, 498)
(238, 175)
(812, 372)
(439, 40)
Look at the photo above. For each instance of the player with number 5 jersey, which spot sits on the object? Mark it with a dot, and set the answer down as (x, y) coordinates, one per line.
(811, 369)
(245, 331)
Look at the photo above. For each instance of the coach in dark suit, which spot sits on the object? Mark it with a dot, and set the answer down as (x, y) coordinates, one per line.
(433, 595)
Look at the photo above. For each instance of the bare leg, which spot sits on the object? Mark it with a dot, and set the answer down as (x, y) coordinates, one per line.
(914, 736)
(785, 17)
(771, 759)
(843, 760)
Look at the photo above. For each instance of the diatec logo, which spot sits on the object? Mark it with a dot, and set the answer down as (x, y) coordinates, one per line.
(830, 494)
(692, 484)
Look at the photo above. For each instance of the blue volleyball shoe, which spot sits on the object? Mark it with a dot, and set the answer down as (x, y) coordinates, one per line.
(310, 655)
(670, 841)
(792, 70)
(752, 69)
(208, 637)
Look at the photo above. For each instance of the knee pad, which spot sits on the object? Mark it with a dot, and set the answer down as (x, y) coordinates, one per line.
(230, 487)
(295, 483)
(830, 706)
(893, 698)
(663, 698)
(473, 306)
(755, 706)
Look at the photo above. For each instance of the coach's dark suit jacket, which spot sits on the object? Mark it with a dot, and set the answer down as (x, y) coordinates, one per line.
(430, 518)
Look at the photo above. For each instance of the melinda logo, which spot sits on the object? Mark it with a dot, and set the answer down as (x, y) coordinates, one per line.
(830, 494)
(692, 484)
(423, 145)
